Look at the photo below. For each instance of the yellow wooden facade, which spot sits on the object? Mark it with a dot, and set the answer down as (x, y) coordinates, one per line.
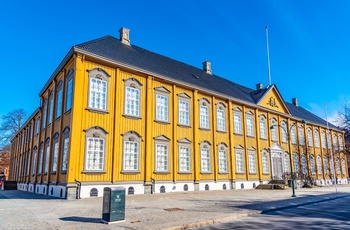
(79, 119)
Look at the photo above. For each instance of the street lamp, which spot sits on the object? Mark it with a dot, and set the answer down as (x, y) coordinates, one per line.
(288, 131)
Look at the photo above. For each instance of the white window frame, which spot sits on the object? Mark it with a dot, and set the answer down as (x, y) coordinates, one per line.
(329, 142)
(161, 154)
(35, 150)
(222, 158)
(309, 137)
(304, 164)
(252, 160)
(51, 103)
(221, 117)
(132, 98)
(316, 138)
(323, 140)
(162, 104)
(312, 164)
(55, 153)
(265, 162)
(65, 149)
(294, 135)
(47, 156)
(319, 165)
(131, 152)
(337, 165)
(239, 153)
(184, 109)
(43, 123)
(40, 160)
(301, 135)
(95, 149)
(204, 114)
(250, 124)
(343, 166)
(37, 126)
(98, 90)
(184, 152)
(286, 162)
(262, 125)
(274, 130)
(335, 142)
(205, 157)
(237, 114)
(296, 163)
(340, 140)
(326, 165)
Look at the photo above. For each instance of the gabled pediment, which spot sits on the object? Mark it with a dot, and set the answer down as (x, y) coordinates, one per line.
(270, 98)
(276, 147)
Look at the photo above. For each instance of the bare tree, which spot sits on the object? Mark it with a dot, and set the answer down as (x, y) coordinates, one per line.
(11, 123)
(343, 120)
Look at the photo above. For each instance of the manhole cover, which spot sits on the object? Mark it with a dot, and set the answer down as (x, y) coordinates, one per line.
(173, 209)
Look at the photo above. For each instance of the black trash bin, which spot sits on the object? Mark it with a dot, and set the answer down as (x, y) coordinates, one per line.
(113, 204)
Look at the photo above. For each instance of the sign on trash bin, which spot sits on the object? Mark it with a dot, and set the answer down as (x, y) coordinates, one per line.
(113, 208)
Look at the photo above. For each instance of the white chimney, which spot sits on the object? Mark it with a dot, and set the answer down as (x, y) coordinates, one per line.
(124, 35)
(207, 67)
(259, 86)
(295, 101)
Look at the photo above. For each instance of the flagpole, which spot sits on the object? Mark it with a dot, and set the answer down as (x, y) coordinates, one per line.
(268, 54)
(335, 182)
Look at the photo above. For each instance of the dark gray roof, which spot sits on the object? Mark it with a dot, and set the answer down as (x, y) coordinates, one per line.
(111, 48)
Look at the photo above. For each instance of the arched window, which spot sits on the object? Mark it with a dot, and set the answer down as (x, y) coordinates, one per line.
(325, 162)
(296, 163)
(304, 164)
(337, 165)
(319, 165)
(335, 142)
(205, 147)
(161, 144)
(98, 89)
(316, 138)
(59, 99)
(301, 135)
(204, 113)
(286, 163)
(265, 162)
(50, 108)
(323, 139)
(309, 137)
(69, 92)
(221, 117)
(250, 123)
(343, 168)
(284, 131)
(184, 109)
(262, 121)
(131, 151)
(95, 150)
(35, 149)
(65, 149)
(312, 165)
(340, 140)
(239, 152)
(184, 155)
(294, 135)
(222, 155)
(43, 123)
(55, 152)
(274, 136)
(237, 116)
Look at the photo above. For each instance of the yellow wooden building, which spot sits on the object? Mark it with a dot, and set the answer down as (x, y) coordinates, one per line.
(114, 114)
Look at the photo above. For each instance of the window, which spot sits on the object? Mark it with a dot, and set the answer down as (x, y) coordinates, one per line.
(50, 108)
(329, 141)
(252, 160)
(161, 153)
(222, 154)
(265, 162)
(325, 162)
(204, 113)
(239, 159)
(343, 168)
(309, 137)
(40, 160)
(274, 129)
(340, 140)
(184, 156)
(284, 131)
(337, 165)
(98, 86)
(132, 97)
(69, 92)
(319, 165)
(250, 124)
(296, 163)
(47, 155)
(335, 144)
(301, 135)
(59, 100)
(316, 138)
(44, 114)
(65, 149)
(304, 164)
(237, 121)
(28, 163)
(184, 109)
(312, 165)
(162, 104)
(323, 139)
(37, 126)
(286, 163)
(262, 122)
(131, 153)
(221, 117)
(294, 135)
(95, 149)
(34, 160)
(55, 152)
(205, 157)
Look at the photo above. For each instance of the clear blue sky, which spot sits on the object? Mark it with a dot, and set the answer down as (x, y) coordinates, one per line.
(309, 42)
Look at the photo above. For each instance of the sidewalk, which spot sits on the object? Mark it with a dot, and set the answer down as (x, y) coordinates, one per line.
(24, 210)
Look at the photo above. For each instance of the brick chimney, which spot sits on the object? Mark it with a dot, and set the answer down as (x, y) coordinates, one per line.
(124, 35)
(295, 101)
(207, 67)
(259, 86)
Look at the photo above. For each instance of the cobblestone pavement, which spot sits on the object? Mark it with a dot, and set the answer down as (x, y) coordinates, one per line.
(24, 210)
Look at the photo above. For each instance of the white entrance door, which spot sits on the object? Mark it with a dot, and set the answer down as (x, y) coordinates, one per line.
(277, 162)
